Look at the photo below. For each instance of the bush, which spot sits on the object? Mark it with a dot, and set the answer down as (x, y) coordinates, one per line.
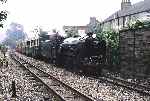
(112, 41)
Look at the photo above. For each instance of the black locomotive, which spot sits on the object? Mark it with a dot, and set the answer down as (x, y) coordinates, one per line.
(76, 53)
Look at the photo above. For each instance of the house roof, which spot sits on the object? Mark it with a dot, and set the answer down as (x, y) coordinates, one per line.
(134, 9)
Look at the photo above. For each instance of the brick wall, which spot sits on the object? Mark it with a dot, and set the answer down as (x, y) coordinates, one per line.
(135, 51)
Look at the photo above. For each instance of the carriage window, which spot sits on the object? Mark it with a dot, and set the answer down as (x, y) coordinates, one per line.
(28, 43)
(34, 42)
(31, 42)
(37, 42)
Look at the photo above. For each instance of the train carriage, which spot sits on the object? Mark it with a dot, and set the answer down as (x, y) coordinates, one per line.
(28, 48)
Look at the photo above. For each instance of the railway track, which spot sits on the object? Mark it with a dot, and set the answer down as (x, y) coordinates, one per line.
(62, 91)
(145, 90)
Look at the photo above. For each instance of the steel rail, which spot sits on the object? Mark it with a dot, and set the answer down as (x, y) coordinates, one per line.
(87, 98)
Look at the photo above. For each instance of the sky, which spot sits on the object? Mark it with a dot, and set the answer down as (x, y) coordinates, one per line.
(51, 14)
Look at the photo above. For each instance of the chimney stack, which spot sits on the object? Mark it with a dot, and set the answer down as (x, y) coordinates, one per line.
(125, 4)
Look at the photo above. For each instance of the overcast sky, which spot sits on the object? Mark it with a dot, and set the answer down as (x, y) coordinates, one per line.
(56, 13)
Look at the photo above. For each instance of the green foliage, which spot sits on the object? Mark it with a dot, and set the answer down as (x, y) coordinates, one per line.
(112, 40)
(139, 24)
(3, 14)
(3, 49)
(3, 1)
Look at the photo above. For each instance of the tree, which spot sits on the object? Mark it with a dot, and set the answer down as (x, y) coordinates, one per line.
(3, 1)
(3, 14)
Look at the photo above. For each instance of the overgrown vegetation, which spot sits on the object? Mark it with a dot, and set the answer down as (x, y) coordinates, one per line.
(112, 41)
(139, 24)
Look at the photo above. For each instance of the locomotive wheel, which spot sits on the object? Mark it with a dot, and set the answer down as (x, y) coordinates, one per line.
(75, 64)
(60, 59)
(82, 63)
(68, 63)
(78, 61)
(54, 61)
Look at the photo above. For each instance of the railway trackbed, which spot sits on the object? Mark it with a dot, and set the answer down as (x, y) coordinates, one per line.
(62, 91)
(142, 89)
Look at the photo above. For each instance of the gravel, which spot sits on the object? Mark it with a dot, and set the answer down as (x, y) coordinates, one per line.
(145, 81)
(89, 86)
(26, 91)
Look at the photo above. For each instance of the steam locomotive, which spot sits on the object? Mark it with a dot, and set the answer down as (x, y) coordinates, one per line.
(76, 53)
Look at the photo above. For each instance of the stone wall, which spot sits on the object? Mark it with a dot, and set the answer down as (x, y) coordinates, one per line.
(135, 51)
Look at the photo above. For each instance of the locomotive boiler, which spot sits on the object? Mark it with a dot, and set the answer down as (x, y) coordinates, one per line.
(86, 53)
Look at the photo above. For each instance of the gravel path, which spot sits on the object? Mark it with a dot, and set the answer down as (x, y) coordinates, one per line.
(90, 86)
